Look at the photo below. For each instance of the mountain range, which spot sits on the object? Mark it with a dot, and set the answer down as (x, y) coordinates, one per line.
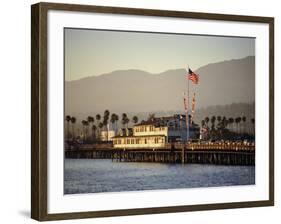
(134, 91)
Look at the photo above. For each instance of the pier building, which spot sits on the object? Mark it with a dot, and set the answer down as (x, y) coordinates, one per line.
(156, 132)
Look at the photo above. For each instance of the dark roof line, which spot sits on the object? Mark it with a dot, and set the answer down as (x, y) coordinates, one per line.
(158, 120)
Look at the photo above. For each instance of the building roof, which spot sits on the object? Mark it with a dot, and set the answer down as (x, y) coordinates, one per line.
(159, 121)
(149, 122)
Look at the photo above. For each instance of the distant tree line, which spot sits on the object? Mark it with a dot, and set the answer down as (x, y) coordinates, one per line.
(220, 127)
(92, 126)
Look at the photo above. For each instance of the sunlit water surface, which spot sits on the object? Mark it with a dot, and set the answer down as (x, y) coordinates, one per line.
(102, 175)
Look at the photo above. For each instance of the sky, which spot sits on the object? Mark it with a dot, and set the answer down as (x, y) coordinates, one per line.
(96, 52)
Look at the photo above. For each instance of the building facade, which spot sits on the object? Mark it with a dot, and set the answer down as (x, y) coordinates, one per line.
(154, 133)
(107, 135)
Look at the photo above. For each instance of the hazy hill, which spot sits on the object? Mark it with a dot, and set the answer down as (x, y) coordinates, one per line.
(135, 91)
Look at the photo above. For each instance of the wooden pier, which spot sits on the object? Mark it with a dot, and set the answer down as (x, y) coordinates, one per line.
(213, 153)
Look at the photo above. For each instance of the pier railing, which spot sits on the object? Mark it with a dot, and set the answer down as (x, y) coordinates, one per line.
(229, 146)
(225, 153)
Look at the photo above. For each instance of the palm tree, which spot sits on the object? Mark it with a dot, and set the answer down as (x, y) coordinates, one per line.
(244, 122)
(253, 123)
(106, 113)
(237, 121)
(124, 119)
(207, 119)
(219, 122)
(106, 117)
(94, 128)
(213, 120)
(202, 123)
(135, 119)
(105, 124)
(105, 121)
(112, 120)
(224, 122)
(84, 126)
(116, 121)
(100, 125)
(231, 121)
(91, 120)
(222, 126)
(68, 119)
(98, 118)
(127, 122)
(73, 121)
(87, 129)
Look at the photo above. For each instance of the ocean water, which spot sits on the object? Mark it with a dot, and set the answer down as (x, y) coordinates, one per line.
(103, 175)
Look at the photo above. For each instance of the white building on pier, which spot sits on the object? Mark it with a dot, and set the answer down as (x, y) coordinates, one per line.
(154, 133)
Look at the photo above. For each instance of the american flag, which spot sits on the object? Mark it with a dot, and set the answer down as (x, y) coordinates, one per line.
(193, 76)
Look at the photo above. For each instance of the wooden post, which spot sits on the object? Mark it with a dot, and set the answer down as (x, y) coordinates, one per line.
(182, 156)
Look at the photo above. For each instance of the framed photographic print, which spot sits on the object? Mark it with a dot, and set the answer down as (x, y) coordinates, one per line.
(140, 111)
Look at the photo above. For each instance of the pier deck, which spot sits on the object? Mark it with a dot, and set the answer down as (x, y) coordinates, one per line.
(213, 153)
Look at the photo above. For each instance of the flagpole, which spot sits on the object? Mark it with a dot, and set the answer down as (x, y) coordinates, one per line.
(187, 114)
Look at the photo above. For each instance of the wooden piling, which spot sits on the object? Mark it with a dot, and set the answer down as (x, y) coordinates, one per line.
(182, 156)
